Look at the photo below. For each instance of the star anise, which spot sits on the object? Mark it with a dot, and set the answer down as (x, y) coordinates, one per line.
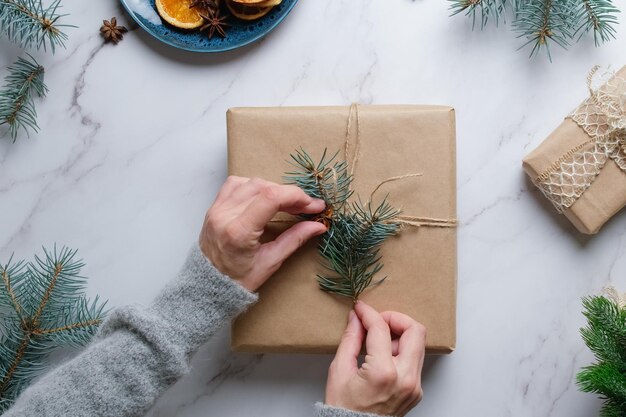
(204, 4)
(111, 32)
(214, 23)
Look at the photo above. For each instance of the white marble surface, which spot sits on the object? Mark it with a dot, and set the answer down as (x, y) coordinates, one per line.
(133, 150)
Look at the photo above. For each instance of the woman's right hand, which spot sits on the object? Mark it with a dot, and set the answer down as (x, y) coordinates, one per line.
(389, 380)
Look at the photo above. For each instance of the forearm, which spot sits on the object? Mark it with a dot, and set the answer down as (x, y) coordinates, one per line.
(139, 353)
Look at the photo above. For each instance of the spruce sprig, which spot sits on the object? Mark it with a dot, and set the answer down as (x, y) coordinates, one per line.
(31, 24)
(598, 16)
(482, 10)
(43, 306)
(350, 248)
(17, 107)
(327, 179)
(605, 335)
(542, 22)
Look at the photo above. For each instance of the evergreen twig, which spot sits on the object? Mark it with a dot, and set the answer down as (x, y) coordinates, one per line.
(605, 335)
(31, 24)
(17, 107)
(43, 307)
(541, 22)
(350, 248)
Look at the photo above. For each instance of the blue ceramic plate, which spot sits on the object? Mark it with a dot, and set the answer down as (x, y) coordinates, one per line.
(239, 34)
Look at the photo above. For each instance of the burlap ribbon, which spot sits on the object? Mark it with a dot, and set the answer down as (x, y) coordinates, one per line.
(352, 150)
(603, 117)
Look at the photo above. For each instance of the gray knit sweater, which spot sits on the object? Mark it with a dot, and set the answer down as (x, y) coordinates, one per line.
(141, 352)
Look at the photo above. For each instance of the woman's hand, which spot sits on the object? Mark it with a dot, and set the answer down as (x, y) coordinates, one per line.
(389, 380)
(234, 224)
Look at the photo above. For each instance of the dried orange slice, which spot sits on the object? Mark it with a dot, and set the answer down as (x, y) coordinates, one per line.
(245, 12)
(178, 13)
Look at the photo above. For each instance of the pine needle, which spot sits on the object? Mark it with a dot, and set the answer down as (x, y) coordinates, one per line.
(30, 24)
(43, 306)
(17, 106)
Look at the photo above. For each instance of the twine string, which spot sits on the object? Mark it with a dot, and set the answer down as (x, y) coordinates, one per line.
(412, 221)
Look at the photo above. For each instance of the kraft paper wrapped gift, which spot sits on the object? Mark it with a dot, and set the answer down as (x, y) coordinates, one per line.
(581, 166)
(293, 315)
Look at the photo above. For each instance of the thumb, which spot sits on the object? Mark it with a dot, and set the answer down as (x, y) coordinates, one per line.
(272, 254)
(346, 358)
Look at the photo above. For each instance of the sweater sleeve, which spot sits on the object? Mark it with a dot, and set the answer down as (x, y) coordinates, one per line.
(139, 352)
(323, 410)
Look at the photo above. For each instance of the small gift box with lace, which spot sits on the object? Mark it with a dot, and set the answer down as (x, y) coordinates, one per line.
(581, 166)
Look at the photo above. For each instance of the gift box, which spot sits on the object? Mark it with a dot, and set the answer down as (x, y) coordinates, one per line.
(293, 315)
(581, 166)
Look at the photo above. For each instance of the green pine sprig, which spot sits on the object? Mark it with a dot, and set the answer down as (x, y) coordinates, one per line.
(605, 335)
(31, 24)
(599, 16)
(42, 307)
(17, 106)
(544, 22)
(482, 10)
(350, 248)
(327, 179)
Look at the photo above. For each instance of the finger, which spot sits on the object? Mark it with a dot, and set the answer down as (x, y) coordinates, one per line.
(347, 356)
(411, 342)
(275, 198)
(378, 339)
(272, 254)
(248, 190)
(232, 183)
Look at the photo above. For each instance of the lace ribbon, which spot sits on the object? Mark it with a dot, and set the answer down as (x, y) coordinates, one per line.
(603, 117)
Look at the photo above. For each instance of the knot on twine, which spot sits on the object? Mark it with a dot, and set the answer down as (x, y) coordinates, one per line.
(603, 118)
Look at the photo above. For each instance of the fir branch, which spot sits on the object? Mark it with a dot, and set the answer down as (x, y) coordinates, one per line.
(598, 16)
(31, 24)
(17, 106)
(327, 180)
(542, 21)
(479, 9)
(350, 247)
(605, 335)
(45, 308)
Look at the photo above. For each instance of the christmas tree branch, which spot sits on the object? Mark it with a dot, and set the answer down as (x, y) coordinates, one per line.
(58, 268)
(17, 106)
(45, 308)
(599, 16)
(542, 22)
(31, 24)
(605, 335)
(350, 247)
(68, 327)
(7, 285)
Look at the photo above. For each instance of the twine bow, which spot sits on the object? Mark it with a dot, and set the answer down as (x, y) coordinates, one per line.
(603, 117)
(403, 220)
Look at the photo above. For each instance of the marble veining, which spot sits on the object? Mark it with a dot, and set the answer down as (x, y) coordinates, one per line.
(132, 151)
